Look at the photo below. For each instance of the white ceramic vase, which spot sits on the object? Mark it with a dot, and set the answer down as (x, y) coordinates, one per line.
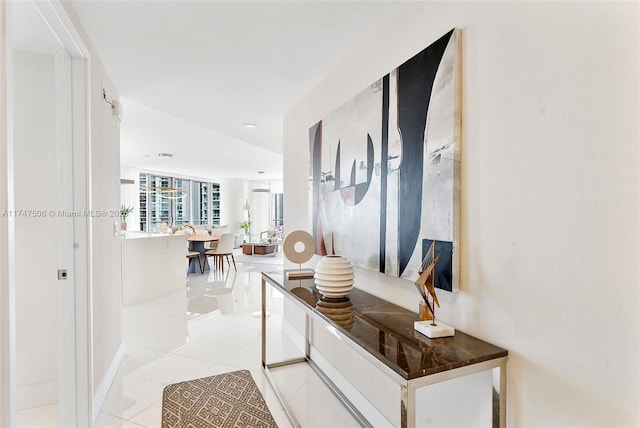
(334, 276)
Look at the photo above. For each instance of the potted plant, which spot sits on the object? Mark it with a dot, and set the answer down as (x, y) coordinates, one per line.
(246, 225)
(124, 213)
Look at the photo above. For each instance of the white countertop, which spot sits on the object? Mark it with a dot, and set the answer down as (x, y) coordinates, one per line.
(138, 235)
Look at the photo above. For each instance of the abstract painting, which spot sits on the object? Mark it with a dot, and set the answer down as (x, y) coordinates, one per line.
(385, 169)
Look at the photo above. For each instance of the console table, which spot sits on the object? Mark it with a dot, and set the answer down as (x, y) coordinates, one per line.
(383, 334)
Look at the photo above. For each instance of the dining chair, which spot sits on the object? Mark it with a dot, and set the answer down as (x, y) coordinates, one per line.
(190, 254)
(215, 232)
(224, 249)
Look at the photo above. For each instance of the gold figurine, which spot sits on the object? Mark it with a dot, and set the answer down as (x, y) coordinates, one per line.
(425, 283)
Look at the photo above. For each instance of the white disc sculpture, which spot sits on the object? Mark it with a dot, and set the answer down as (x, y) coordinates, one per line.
(298, 247)
(334, 276)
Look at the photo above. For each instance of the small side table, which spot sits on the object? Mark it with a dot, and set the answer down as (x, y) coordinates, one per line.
(264, 248)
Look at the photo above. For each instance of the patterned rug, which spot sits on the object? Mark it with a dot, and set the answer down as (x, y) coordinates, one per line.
(227, 400)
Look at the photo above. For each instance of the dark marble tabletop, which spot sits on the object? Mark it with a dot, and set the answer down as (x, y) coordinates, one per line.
(386, 331)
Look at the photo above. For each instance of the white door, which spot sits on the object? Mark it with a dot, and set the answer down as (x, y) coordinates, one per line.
(49, 347)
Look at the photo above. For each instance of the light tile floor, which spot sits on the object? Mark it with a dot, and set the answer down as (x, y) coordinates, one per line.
(211, 328)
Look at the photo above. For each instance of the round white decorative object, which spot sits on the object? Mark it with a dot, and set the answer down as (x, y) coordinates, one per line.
(334, 276)
(334, 283)
(188, 229)
(289, 246)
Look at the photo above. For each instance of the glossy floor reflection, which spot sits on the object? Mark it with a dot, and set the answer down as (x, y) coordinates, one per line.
(214, 328)
(211, 328)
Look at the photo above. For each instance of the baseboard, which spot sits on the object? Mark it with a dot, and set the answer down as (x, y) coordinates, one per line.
(109, 377)
(36, 395)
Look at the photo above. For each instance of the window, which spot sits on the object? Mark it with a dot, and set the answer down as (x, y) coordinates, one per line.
(159, 209)
(143, 201)
(181, 207)
(200, 206)
(215, 203)
(200, 202)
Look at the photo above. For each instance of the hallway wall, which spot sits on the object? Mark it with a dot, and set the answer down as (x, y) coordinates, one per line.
(37, 289)
(550, 235)
(5, 298)
(105, 195)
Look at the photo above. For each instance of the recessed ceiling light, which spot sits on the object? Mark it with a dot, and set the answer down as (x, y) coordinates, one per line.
(250, 125)
(260, 172)
(165, 155)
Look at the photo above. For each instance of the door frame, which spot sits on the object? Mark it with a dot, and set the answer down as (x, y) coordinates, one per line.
(76, 391)
(7, 366)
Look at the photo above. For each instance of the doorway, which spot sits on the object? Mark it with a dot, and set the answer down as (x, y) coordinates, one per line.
(47, 343)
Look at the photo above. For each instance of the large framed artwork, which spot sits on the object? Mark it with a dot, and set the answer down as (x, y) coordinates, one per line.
(385, 169)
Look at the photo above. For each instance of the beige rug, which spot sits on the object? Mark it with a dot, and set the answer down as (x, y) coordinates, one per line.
(227, 400)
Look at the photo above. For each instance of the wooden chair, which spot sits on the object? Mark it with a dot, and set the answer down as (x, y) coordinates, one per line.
(190, 254)
(224, 249)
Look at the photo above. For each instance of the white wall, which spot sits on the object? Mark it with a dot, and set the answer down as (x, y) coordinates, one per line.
(106, 249)
(262, 204)
(6, 418)
(105, 195)
(37, 288)
(231, 203)
(550, 193)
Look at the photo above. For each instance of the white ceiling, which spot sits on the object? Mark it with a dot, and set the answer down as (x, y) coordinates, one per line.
(190, 74)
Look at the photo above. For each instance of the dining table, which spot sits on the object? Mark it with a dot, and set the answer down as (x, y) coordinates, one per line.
(196, 243)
